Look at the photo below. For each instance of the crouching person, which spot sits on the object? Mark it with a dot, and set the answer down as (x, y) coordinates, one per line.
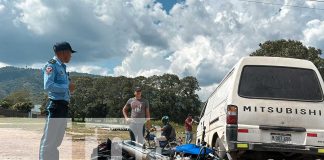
(166, 134)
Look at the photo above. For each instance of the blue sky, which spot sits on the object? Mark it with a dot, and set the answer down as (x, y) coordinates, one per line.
(201, 38)
(168, 4)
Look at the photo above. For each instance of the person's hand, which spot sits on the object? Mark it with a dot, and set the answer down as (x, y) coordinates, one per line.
(71, 87)
(128, 120)
(152, 129)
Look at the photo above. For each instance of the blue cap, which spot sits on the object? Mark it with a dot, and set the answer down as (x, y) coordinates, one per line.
(62, 46)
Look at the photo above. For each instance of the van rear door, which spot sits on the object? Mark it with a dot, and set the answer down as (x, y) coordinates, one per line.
(281, 105)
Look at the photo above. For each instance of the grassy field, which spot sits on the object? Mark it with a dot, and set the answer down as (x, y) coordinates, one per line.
(81, 130)
(30, 124)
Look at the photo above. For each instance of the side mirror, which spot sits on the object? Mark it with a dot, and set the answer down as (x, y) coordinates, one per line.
(196, 119)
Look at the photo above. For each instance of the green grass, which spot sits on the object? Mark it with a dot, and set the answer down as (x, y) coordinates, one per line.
(31, 124)
(80, 130)
(180, 130)
(21, 120)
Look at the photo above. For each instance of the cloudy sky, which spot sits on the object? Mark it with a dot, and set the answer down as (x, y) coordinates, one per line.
(201, 38)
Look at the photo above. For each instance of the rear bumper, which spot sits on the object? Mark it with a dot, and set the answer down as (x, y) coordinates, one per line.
(313, 150)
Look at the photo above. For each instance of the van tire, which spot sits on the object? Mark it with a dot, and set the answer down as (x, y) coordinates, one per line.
(220, 149)
(233, 155)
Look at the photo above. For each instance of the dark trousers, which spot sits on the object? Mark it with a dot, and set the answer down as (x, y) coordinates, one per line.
(54, 130)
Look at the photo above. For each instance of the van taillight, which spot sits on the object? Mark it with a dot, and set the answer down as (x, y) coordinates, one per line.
(311, 134)
(231, 114)
(243, 130)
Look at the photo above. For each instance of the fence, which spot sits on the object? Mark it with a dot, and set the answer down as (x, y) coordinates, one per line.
(12, 113)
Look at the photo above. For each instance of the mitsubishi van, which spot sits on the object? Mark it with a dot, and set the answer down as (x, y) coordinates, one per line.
(266, 106)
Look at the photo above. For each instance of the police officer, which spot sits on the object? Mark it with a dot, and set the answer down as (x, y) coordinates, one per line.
(59, 87)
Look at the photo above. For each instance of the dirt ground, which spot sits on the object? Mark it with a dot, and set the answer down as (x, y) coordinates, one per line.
(20, 139)
(17, 143)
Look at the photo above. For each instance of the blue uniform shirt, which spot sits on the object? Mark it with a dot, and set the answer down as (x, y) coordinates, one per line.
(56, 80)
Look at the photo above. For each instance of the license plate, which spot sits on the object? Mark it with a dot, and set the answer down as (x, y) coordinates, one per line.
(280, 138)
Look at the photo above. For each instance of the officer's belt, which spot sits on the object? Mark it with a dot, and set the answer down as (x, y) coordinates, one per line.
(63, 102)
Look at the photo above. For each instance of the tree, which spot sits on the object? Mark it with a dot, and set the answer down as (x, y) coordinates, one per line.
(20, 100)
(18, 96)
(105, 96)
(23, 106)
(188, 100)
(291, 49)
(44, 104)
(5, 104)
(82, 96)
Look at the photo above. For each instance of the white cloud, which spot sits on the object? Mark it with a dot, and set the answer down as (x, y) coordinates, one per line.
(314, 34)
(91, 69)
(205, 39)
(205, 92)
(199, 38)
(85, 68)
(36, 16)
(3, 64)
(188, 56)
(143, 60)
(2, 7)
(36, 65)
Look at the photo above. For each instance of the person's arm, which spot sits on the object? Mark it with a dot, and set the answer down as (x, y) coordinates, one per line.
(190, 122)
(71, 84)
(148, 117)
(49, 84)
(186, 122)
(163, 128)
(125, 111)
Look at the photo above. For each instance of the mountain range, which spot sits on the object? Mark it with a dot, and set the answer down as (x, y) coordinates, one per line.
(14, 79)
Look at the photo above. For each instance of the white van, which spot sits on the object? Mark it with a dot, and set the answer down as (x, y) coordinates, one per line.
(266, 105)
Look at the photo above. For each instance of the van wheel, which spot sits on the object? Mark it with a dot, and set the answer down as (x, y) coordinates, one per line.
(233, 156)
(220, 149)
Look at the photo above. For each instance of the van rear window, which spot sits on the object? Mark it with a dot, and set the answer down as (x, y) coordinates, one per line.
(280, 83)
